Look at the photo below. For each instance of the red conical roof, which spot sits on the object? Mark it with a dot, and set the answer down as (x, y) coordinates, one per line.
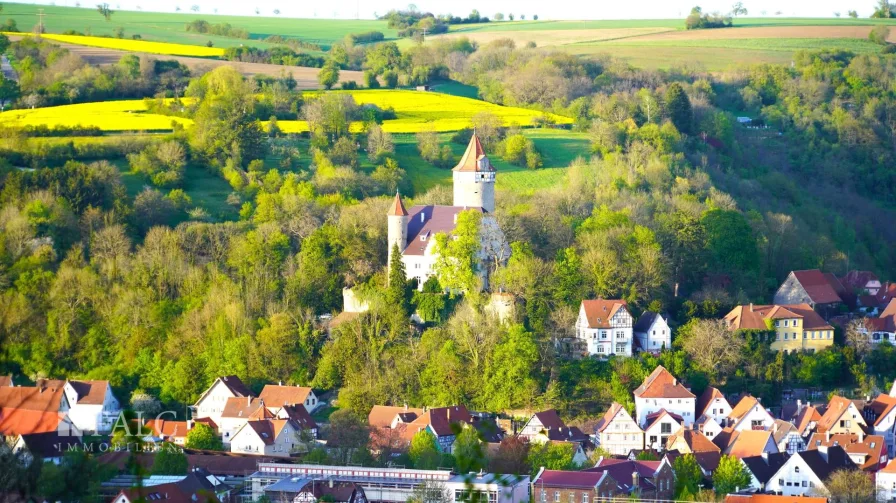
(470, 160)
(397, 208)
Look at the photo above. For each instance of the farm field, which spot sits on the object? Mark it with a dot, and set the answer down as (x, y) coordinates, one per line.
(415, 110)
(129, 45)
(169, 26)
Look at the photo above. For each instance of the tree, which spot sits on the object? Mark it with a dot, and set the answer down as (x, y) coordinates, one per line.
(276, 12)
(328, 76)
(510, 16)
(738, 9)
(535, 17)
(879, 34)
(511, 456)
(853, 14)
(194, 8)
(431, 492)
(203, 437)
(348, 434)
(730, 476)
(688, 476)
(508, 374)
(457, 264)
(678, 108)
(552, 456)
(379, 143)
(499, 16)
(105, 11)
(730, 242)
(851, 486)
(884, 10)
(9, 91)
(397, 292)
(468, 451)
(169, 460)
(712, 347)
(488, 128)
(424, 451)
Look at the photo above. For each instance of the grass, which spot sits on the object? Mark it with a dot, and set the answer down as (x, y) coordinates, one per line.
(559, 149)
(169, 27)
(124, 44)
(416, 111)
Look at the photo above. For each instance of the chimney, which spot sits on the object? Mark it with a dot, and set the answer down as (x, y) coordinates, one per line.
(422, 216)
(827, 436)
(751, 307)
(279, 383)
(331, 483)
(764, 456)
(823, 450)
(861, 436)
(455, 218)
(405, 406)
(635, 481)
(248, 401)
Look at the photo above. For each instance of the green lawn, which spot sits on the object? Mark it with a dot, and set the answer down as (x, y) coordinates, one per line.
(559, 148)
(169, 27)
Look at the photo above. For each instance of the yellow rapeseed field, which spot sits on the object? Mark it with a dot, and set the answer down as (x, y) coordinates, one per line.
(123, 44)
(415, 110)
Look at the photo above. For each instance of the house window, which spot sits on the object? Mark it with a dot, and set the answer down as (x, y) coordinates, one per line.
(780, 482)
(584, 497)
(665, 428)
(785, 336)
(796, 469)
(556, 495)
(785, 323)
(603, 334)
(805, 484)
(777, 323)
(620, 347)
(804, 335)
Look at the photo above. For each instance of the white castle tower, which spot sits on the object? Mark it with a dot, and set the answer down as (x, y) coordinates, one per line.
(398, 225)
(474, 179)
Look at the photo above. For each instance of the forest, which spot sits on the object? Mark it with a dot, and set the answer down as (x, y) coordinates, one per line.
(678, 209)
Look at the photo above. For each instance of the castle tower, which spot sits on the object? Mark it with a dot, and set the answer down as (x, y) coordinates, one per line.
(474, 178)
(398, 225)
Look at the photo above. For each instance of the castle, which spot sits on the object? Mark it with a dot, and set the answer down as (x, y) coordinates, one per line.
(474, 189)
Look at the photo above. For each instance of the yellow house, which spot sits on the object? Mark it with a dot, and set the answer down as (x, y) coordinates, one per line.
(796, 327)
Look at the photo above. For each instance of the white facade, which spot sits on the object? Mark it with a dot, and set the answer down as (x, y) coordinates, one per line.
(718, 410)
(476, 189)
(91, 417)
(247, 441)
(211, 404)
(684, 407)
(885, 426)
(656, 337)
(756, 419)
(795, 478)
(621, 435)
(710, 428)
(615, 339)
(886, 484)
(656, 434)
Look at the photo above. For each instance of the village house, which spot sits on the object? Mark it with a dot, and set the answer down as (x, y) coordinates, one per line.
(547, 426)
(196, 486)
(690, 441)
(861, 282)
(412, 231)
(805, 473)
(763, 467)
(883, 327)
(713, 405)
(237, 412)
(886, 482)
(605, 327)
(880, 413)
(49, 446)
(168, 431)
(34, 409)
(787, 437)
(442, 422)
(750, 414)
(772, 498)
(618, 433)
(745, 443)
(652, 333)
(269, 437)
(807, 420)
(659, 427)
(275, 396)
(663, 391)
(645, 480)
(550, 486)
(211, 403)
(92, 406)
(812, 287)
(794, 327)
(868, 452)
(307, 490)
(841, 416)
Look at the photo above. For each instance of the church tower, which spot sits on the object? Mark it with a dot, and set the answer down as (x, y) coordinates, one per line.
(398, 225)
(474, 178)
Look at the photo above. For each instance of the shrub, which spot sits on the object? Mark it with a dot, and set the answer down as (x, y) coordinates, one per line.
(370, 80)
(879, 34)
(391, 79)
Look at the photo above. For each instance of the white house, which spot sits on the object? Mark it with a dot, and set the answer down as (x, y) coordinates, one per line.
(269, 437)
(275, 396)
(652, 333)
(605, 327)
(211, 403)
(707, 426)
(787, 437)
(92, 406)
(804, 473)
(881, 415)
(749, 414)
(412, 231)
(886, 482)
(618, 433)
(237, 412)
(48, 446)
(660, 426)
(763, 467)
(663, 391)
(713, 405)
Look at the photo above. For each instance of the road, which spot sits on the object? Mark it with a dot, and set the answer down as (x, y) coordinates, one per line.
(7, 69)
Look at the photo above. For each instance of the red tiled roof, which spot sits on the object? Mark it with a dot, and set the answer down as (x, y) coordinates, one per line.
(47, 399)
(381, 416)
(169, 429)
(772, 498)
(656, 416)
(696, 441)
(15, 421)
(470, 159)
(622, 469)
(886, 293)
(5, 381)
(881, 407)
(752, 317)
(396, 209)
(608, 416)
(550, 419)
(806, 417)
(661, 384)
(427, 221)
(299, 414)
(853, 446)
(858, 280)
(440, 419)
(817, 286)
(748, 443)
(599, 312)
(241, 406)
(836, 408)
(268, 429)
(278, 396)
(743, 407)
(891, 467)
(569, 479)
(89, 392)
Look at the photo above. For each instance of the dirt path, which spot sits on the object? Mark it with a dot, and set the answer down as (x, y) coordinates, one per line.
(305, 76)
(860, 32)
(544, 38)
